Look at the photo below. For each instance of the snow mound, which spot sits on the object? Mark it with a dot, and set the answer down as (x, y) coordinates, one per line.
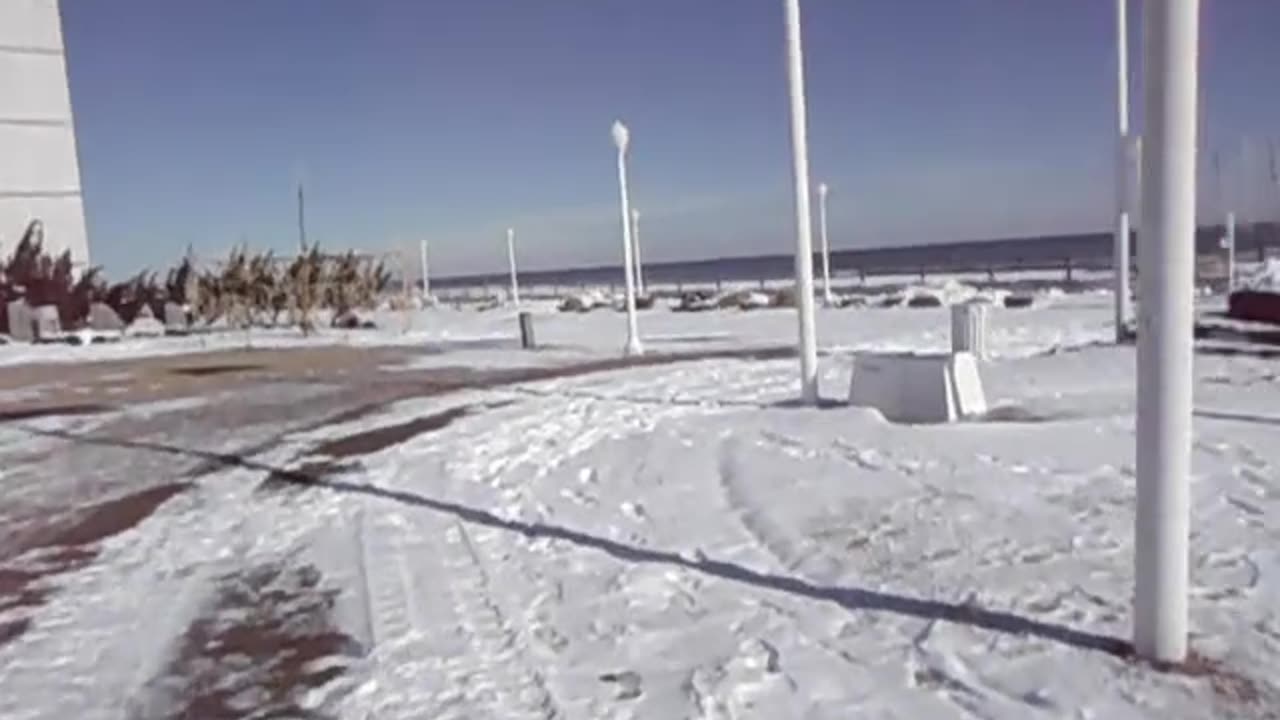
(583, 302)
(754, 299)
(948, 292)
(1265, 278)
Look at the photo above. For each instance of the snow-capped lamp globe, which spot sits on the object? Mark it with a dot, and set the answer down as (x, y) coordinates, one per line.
(621, 136)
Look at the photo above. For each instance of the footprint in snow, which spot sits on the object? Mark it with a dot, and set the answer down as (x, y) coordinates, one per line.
(756, 654)
(578, 497)
(635, 511)
(629, 684)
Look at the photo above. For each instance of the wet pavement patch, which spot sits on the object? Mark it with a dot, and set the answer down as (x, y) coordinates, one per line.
(112, 517)
(267, 637)
(371, 441)
(212, 370)
(1231, 687)
(33, 413)
(304, 475)
(37, 552)
(359, 412)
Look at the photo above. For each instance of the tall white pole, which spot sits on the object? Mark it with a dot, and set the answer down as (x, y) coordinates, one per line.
(511, 261)
(808, 349)
(1166, 314)
(426, 269)
(622, 138)
(1230, 241)
(826, 246)
(1124, 174)
(635, 239)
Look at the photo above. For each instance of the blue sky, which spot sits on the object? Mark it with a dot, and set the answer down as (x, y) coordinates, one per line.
(408, 119)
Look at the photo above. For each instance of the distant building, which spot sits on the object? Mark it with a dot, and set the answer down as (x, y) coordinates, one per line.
(39, 168)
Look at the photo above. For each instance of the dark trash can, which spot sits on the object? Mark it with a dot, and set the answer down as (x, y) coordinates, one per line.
(526, 331)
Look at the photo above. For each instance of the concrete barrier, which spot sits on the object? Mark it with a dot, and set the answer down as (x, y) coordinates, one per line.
(969, 329)
(918, 388)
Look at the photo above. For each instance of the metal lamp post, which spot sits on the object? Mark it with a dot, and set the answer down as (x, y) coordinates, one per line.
(635, 239)
(826, 245)
(426, 269)
(1165, 317)
(1229, 240)
(511, 262)
(622, 138)
(808, 345)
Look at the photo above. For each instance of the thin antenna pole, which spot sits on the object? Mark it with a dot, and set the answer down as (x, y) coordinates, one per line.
(302, 221)
(426, 269)
(1219, 192)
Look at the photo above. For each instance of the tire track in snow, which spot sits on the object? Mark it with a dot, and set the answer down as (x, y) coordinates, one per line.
(486, 666)
(771, 541)
(435, 619)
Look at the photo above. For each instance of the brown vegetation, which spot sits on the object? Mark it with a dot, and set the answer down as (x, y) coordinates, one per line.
(246, 290)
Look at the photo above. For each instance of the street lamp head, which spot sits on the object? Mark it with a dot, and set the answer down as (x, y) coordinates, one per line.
(621, 136)
(822, 189)
(635, 214)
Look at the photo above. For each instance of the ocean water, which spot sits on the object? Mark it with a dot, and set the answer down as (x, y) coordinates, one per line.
(1082, 252)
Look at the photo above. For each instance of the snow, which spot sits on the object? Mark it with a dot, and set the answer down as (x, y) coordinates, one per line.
(598, 332)
(1264, 277)
(683, 541)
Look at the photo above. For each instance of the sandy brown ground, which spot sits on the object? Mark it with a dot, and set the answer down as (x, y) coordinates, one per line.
(118, 382)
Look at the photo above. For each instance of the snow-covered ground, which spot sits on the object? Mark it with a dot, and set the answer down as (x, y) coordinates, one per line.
(602, 332)
(662, 542)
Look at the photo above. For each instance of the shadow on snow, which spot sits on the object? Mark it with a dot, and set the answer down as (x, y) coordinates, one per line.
(851, 598)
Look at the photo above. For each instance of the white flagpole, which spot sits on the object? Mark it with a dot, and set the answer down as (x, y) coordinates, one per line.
(1166, 315)
(808, 343)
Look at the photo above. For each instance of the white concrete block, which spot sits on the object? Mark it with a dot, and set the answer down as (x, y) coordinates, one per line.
(969, 329)
(966, 383)
(918, 388)
(46, 323)
(21, 326)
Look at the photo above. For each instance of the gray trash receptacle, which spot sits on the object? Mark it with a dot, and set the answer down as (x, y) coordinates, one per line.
(526, 331)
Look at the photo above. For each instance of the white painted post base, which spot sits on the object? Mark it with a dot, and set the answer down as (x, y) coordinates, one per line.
(969, 329)
(918, 388)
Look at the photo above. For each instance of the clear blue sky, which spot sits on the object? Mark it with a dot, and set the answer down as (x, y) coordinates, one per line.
(407, 119)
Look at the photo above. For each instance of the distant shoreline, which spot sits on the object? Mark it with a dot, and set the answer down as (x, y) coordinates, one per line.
(1084, 251)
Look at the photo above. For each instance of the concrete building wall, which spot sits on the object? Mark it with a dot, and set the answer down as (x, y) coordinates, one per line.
(39, 168)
